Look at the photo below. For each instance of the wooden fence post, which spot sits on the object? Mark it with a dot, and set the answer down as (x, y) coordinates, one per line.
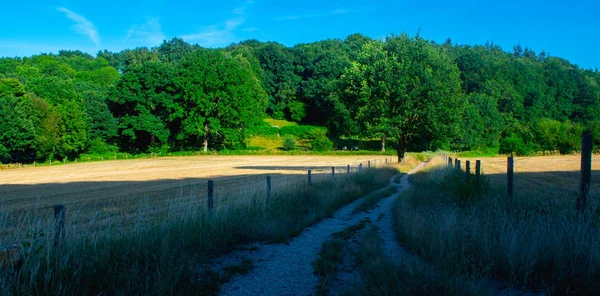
(455, 162)
(450, 162)
(348, 169)
(332, 171)
(586, 171)
(458, 168)
(510, 174)
(369, 164)
(468, 168)
(59, 223)
(309, 178)
(268, 187)
(360, 167)
(211, 191)
(478, 169)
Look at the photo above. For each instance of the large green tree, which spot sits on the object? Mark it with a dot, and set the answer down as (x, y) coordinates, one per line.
(408, 88)
(144, 105)
(220, 97)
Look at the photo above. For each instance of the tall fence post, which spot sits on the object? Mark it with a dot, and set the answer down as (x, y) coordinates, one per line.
(478, 168)
(332, 171)
(586, 171)
(510, 174)
(450, 162)
(309, 177)
(348, 169)
(468, 168)
(455, 162)
(59, 223)
(360, 167)
(211, 191)
(458, 168)
(369, 164)
(268, 187)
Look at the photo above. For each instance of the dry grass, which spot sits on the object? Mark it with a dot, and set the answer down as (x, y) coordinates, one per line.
(533, 241)
(111, 187)
(532, 173)
(275, 143)
(149, 254)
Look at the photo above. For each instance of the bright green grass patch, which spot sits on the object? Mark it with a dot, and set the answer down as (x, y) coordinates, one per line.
(280, 123)
(483, 152)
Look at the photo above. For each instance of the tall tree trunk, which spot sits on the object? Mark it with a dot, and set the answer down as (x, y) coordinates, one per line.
(205, 139)
(382, 143)
(402, 147)
(205, 144)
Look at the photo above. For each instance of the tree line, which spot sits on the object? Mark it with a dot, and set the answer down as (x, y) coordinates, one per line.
(403, 90)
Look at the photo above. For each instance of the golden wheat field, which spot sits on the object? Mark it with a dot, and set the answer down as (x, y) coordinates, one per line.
(550, 173)
(111, 185)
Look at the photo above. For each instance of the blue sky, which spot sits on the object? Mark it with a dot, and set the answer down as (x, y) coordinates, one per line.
(569, 29)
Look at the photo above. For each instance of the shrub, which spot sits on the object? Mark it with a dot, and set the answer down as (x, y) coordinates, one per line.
(322, 144)
(515, 144)
(289, 144)
(98, 146)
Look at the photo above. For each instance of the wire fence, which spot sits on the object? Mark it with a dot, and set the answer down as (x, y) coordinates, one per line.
(570, 175)
(89, 211)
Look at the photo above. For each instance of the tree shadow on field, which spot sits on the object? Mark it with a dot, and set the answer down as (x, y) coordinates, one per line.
(104, 195)
(548, 184)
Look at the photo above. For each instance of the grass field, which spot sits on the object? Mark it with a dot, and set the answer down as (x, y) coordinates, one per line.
(160, 186)
(534, 241)
(145, 223)
(560, 173)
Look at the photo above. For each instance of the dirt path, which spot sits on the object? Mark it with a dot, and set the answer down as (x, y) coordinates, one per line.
(286, 269)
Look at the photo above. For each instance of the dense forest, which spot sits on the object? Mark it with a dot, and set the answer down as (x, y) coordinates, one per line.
(405, 90)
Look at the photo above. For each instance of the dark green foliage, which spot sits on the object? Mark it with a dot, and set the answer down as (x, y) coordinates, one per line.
(405, 92)
(289, 144)
(407, 89)
(143, 103)
(220, 99)
(17, 130)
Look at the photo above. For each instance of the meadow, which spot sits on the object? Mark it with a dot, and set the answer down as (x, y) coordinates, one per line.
(145, 222)
(469, 237)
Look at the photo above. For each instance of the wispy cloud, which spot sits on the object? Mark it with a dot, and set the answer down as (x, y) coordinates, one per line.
(312, 15)
(222, 34)
(149, 32)
(82, 25)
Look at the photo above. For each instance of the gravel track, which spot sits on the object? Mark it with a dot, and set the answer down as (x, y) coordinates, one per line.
(282, 269)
